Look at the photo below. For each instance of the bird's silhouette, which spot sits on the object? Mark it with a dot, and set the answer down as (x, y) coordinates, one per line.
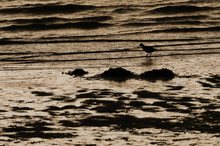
(148, 49)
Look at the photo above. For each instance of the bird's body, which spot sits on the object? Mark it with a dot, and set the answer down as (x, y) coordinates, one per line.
(148, 49)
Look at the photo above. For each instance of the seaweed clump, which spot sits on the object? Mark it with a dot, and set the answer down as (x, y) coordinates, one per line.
(158, 74)
(120, 74)
(77, 72)
(117, 74)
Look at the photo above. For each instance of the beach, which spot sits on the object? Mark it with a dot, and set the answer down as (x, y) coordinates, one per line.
(42, 104)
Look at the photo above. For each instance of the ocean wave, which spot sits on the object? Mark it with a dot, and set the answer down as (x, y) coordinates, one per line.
(180, 18)
(180, 9)
(31, 60)
(182, 30)
(124, 10)
(45, 20)
(201, 1)
(80, 39)
(141, 24)
(95, 18)
(36, 27)
(46, 9)
(49, 20)
(184, 22)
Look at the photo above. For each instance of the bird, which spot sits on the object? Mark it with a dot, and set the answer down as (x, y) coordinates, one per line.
(148, 49)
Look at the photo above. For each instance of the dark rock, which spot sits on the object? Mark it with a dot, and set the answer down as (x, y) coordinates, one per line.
(77, 72)
(158, 74)
(117, 74)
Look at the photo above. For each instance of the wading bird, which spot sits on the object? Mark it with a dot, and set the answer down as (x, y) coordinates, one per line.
(148, 49)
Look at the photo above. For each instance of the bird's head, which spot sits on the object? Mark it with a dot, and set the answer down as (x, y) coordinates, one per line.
(141, 45)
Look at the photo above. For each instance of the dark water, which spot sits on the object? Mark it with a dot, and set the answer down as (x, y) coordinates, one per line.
(41, 39)
(124, 24)
(25, 22)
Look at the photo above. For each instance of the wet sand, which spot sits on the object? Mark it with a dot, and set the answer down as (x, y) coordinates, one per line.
(40, 104)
